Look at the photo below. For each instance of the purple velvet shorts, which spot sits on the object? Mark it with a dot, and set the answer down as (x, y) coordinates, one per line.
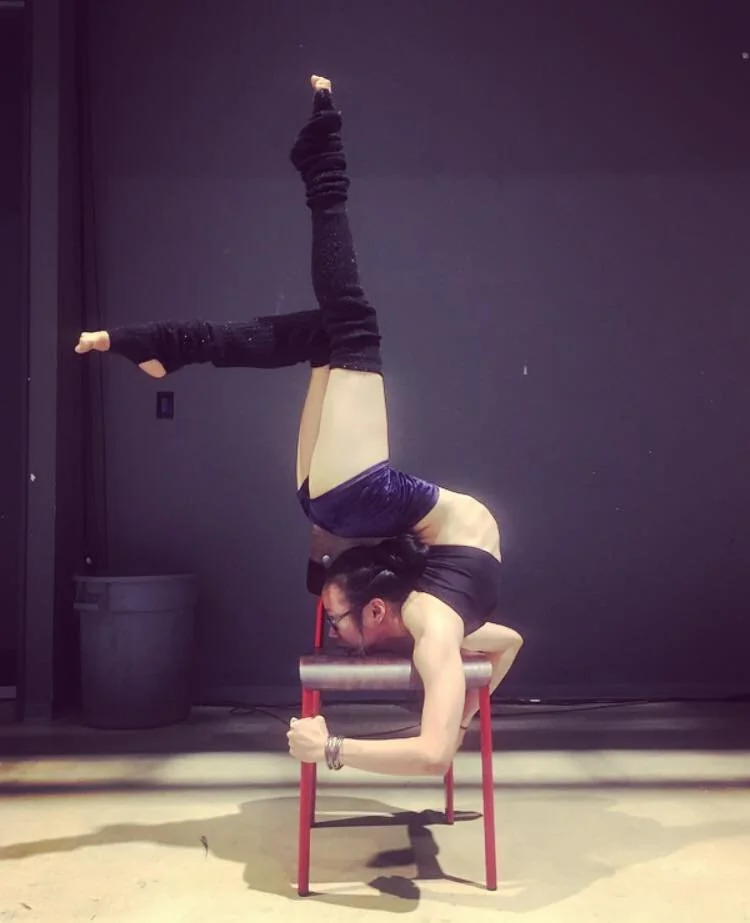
(378, 503)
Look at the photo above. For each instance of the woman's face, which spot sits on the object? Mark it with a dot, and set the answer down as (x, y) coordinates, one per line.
(343, 621)
(377, 627)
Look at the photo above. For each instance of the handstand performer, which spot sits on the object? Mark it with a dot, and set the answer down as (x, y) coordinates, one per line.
(432, 582)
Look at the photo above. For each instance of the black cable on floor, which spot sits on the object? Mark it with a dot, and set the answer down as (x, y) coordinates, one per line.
(562, 709)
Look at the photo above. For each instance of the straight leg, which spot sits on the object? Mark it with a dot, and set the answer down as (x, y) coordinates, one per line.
(315, 710)
(312, 707)
(273, 341)
(449, 797)
(353, 432)
(307, 785)
(306, 806)
(488, 789)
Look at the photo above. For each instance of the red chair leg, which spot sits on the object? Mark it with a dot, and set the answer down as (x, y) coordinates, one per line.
(308, 775)
(306, 805)
(488, 789)
(319, 617)
(449, 800)
(314, 795)
(306, 788)
(314, 710)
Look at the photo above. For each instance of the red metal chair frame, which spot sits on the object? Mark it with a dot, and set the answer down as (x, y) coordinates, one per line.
(311, 698)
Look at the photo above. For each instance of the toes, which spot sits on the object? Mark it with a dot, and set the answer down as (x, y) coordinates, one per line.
(88, 341)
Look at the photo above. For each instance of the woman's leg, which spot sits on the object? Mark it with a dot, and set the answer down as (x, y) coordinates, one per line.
(270, 342)
(310, 422)
(353, 427)
(353, 433)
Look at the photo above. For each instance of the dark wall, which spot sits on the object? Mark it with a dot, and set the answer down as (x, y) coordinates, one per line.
(53, 507)
(550, 203)
(12, 93)
(70, 519)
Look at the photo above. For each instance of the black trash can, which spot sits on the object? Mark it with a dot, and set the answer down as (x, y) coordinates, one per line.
(136, 649)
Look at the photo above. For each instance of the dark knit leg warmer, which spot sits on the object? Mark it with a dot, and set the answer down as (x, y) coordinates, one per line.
(348, 318)
(272, 342)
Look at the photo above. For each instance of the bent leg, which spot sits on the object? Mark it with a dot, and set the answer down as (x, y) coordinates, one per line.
(353, 431)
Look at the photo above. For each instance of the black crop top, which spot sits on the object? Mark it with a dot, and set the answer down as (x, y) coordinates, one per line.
(465, 579)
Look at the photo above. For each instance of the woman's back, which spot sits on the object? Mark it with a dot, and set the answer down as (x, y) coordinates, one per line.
(458, 519)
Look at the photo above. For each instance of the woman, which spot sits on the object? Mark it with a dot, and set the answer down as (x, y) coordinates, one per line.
(432, 582)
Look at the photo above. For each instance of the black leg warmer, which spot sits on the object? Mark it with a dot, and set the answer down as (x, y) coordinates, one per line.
(273, 342)
(348, 318)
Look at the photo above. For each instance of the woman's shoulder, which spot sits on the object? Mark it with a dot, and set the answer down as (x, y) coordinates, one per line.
(425, 614)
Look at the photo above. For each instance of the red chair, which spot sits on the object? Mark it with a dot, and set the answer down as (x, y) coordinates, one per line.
(320, 673)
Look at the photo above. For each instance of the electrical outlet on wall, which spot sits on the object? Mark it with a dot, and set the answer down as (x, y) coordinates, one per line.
(165, 405)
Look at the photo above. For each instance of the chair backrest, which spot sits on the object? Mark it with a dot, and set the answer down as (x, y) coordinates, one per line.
(326, 547)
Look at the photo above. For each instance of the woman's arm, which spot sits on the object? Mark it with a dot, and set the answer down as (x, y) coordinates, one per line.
(501, 645)
(437, 657)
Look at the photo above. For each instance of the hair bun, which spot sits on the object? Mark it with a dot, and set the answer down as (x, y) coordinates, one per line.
(388, 570)
(402, 555)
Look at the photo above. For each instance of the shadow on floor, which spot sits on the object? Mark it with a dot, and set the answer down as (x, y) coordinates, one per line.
(570, 843)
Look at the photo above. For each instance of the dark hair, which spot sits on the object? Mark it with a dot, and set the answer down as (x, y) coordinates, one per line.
(388, 570)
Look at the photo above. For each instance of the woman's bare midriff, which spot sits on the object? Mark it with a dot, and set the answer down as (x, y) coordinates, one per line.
(458, 519)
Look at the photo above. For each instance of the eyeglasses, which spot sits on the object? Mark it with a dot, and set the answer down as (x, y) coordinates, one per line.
(333, 620)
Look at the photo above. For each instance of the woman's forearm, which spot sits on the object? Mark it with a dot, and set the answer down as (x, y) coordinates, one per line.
(402, 757)
(502, 661)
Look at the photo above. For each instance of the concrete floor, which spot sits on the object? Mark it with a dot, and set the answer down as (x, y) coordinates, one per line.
(639, 813)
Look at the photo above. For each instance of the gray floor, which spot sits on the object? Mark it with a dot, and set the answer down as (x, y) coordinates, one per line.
(637, 813)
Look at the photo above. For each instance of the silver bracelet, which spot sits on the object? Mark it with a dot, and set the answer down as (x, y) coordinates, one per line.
(333, 753)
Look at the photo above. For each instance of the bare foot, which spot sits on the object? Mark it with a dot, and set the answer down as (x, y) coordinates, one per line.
(100, 342)
(88, 341)
(320, 83)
